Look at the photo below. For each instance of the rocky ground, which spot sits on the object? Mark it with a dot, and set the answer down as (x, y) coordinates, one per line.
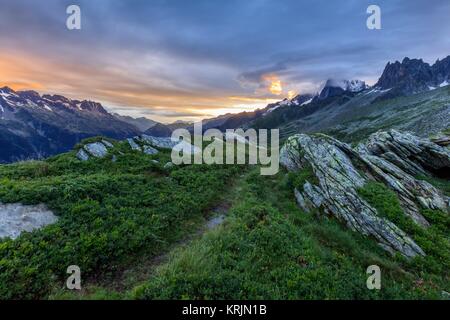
(334, 172)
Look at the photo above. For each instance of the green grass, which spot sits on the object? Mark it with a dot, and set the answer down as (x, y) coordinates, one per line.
(108, 212)
(298, 178)
(116, 216)
(269, 249)
(433, 240)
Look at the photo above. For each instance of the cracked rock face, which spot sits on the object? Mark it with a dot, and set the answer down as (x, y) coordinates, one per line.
(340, 170)
(96, 150)
(168, 143)
(149, 144)
(410, 153)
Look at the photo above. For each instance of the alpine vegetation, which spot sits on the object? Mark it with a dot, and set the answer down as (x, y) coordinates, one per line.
(233, 147)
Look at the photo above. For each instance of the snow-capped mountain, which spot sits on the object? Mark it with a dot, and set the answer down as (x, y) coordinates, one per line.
(335, 87)
(298, 100)
(34, 126)
(413, 76)
(347, 85)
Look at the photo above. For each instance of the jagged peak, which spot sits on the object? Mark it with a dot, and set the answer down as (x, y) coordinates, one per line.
(6, 89)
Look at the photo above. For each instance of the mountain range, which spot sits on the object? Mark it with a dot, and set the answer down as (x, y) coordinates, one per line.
(35, 126)
(411, 95)
(414, 76)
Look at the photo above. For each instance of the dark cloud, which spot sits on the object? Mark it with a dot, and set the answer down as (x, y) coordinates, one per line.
(220, 48)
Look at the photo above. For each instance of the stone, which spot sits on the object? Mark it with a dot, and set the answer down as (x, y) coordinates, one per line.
(82, 155)
(158, 142)
(150, 150)
(442, 141)
(16, 218)
(334, 165)
(168, 143)
(410, 153)
(96, 149)
(133, 145)
(107, 144)
(168, 165)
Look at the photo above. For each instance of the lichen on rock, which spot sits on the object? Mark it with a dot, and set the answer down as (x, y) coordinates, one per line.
(339, 171)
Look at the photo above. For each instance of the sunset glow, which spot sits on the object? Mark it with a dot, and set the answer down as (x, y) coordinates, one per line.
(291, 94)
(138, 64)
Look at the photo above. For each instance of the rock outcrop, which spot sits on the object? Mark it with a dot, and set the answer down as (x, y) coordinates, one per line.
(410, 153)
(16, 218)
(143, 143)
(339, 171)
(96, 150)
(414, 75)
(147, 144)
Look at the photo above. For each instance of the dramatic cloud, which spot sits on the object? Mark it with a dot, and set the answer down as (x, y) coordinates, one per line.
(191, 59)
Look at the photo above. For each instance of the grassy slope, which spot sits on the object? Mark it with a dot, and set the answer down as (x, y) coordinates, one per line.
(116, 214)
(269, 249)
(423, 113)
(352, 118)
(108, 213)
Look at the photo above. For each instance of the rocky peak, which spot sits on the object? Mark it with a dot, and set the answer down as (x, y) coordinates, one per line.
(56, 98)
(7, 90)
(413, 76)
(441, 71)
(92, 106)
(29, 94)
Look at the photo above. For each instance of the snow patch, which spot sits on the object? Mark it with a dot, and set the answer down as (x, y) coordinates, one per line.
(47, 107)
(347, 85)
(307, 102)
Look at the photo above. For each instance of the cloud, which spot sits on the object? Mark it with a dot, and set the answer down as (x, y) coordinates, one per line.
(184, 56)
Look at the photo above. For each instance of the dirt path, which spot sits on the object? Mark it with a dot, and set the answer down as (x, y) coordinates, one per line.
(140, 270)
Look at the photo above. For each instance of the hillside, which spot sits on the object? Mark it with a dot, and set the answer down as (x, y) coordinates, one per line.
(139, 228)
(34, 126)
(363, 181)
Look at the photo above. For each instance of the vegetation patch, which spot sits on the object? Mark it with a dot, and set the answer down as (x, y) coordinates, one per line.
(433, 240)
(269, 249)
(108, 213)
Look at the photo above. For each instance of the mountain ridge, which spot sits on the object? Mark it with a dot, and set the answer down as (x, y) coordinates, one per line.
(35, 126)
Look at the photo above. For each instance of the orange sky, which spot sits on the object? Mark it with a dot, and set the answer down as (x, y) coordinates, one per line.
(113, 87)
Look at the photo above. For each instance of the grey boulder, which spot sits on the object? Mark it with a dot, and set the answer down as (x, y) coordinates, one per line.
(339, 171)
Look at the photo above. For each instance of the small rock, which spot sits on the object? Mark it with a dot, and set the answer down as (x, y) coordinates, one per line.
(168, 143)
(82, 155)
(107, 144)
(158, 142)
(168, 165)
(96, 149)
(133, 145)
(16, 218)
(150, 150)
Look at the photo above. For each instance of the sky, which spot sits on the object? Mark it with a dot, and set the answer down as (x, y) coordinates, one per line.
(171, 60)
